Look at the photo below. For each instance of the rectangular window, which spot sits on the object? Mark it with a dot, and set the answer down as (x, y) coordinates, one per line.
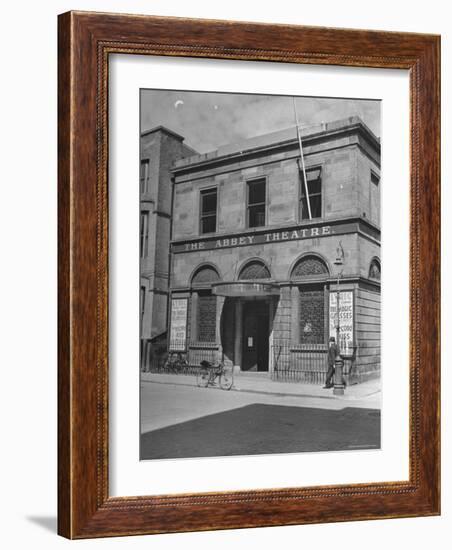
(208, 210)
(256, 202)
(207, 317)
(374, 198)
(144, 233)
(312, 315)
(314, 184)
(144, 177)
(374, 178)
(142, 302)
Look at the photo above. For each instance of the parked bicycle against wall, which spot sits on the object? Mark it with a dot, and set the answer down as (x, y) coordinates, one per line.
(175, 363)
(209, 372)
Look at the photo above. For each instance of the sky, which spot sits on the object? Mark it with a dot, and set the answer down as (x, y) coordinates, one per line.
(209, 120)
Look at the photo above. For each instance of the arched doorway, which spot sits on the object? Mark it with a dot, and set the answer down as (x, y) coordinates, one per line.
(247, 315)
(256, 321)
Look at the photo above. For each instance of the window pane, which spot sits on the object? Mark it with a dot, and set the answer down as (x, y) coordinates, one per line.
(144, 176)
(144, 165)
(316, 206)
(313, 174)
(209, 202)
(207, 313)
(144, 223)
(257, 215)
(256, 192)
(142, 300)
(314, 182)
(304, 213)
(312, 316)
(314, 187)
(208, 211)
(208, 224)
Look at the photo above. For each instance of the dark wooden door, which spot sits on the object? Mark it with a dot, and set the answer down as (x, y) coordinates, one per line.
(255, 336)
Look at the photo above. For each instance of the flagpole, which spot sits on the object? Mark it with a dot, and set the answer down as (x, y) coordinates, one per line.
(308, 201)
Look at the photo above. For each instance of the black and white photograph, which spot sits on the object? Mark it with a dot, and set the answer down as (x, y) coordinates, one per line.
(260, 274)
(223, 241)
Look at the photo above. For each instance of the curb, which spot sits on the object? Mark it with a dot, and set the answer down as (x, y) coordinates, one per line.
(273, 393)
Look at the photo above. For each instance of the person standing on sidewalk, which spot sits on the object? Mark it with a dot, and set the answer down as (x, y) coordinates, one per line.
(333, 352)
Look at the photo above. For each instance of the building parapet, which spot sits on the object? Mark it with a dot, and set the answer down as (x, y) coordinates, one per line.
(261, 144)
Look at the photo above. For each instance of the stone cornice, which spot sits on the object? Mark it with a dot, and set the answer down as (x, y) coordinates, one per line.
(214, 159)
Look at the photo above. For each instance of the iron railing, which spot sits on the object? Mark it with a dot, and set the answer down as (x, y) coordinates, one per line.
(302, 363)
(180, 361)
(306, 363)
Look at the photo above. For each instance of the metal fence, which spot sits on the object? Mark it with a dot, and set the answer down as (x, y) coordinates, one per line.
(302, 363)
(201, 351)
(180, 361)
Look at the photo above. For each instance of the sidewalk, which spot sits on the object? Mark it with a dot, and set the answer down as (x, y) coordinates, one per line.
(264, 385)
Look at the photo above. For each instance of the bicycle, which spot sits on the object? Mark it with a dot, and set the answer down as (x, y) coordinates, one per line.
(209, 372)
(175, 363)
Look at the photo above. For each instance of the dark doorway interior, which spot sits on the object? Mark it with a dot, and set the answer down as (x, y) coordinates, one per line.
(255, 336)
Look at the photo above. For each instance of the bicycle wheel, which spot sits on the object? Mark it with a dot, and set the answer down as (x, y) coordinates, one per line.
(227, 378)
(202, 378)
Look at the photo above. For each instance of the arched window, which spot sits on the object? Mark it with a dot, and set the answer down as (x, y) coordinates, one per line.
(312, 297)
(204, 304)
(309, 266)
(255, 270)
(375, 270)
(205, 275)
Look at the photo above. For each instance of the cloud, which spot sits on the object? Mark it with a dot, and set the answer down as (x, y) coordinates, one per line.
(209, 120)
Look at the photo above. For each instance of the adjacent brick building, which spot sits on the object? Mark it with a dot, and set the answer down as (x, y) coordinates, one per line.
(256, 252)
(160, 148)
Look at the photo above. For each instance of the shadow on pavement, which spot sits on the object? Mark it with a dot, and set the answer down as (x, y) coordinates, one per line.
(264, 429)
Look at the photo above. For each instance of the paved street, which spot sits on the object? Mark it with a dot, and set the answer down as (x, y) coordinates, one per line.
(186, 421)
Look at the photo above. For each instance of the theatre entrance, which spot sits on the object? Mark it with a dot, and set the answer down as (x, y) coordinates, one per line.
(255, 336)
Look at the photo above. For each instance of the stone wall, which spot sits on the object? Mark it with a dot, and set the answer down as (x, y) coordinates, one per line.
(368, 333)
(339, 190)
(161, 148)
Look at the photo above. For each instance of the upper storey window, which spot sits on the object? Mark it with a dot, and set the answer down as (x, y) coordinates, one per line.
(144, 176)
(144, 234)
(208, 221)
(256, 203)
(374, 198)
(314, 195)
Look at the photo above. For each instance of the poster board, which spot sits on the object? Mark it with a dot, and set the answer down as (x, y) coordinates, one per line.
(178, 331)
(346, 319)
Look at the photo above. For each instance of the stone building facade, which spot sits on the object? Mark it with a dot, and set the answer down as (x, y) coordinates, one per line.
(160, 148)
(257, 252)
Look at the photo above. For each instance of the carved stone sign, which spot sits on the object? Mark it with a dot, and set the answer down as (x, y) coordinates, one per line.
(279, 236)
(275, 236)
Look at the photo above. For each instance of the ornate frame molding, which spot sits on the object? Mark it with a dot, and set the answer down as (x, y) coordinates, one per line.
(86, 40)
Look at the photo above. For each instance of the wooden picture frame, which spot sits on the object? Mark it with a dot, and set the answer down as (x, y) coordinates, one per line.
(86, 40)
